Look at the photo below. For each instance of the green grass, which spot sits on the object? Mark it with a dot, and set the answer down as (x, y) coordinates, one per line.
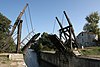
(91, 51)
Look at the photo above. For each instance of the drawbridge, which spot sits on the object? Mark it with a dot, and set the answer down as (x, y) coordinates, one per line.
(66, 43)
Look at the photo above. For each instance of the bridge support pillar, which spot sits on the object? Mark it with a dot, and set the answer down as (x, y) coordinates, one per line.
(19, 36)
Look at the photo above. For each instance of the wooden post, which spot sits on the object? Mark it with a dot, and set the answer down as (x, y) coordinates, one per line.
(72, 30)
(19, 37)
(61, 28)
(70, 38)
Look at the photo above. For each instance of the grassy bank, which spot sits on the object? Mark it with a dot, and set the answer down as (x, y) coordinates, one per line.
(91, 51)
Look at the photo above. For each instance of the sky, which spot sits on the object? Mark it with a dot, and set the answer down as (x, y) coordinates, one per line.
(43, 13)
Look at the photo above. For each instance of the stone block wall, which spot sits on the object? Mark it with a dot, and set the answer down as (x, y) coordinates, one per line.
(59, 60)
(84, 62)
(54, 58)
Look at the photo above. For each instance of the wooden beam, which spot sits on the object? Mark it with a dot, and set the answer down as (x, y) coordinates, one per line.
(19, 37)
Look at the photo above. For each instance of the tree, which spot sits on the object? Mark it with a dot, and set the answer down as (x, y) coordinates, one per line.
(92, 23)
(4, 32)
(43, 43)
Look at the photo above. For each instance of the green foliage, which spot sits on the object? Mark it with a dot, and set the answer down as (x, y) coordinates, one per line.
(43, 43)
(92, 23)
(4, 32)
(36, 47)
(4, 23)
(47, 45)
(93, 18)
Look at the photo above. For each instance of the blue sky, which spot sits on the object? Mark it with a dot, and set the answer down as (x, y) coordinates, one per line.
(43, 13)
